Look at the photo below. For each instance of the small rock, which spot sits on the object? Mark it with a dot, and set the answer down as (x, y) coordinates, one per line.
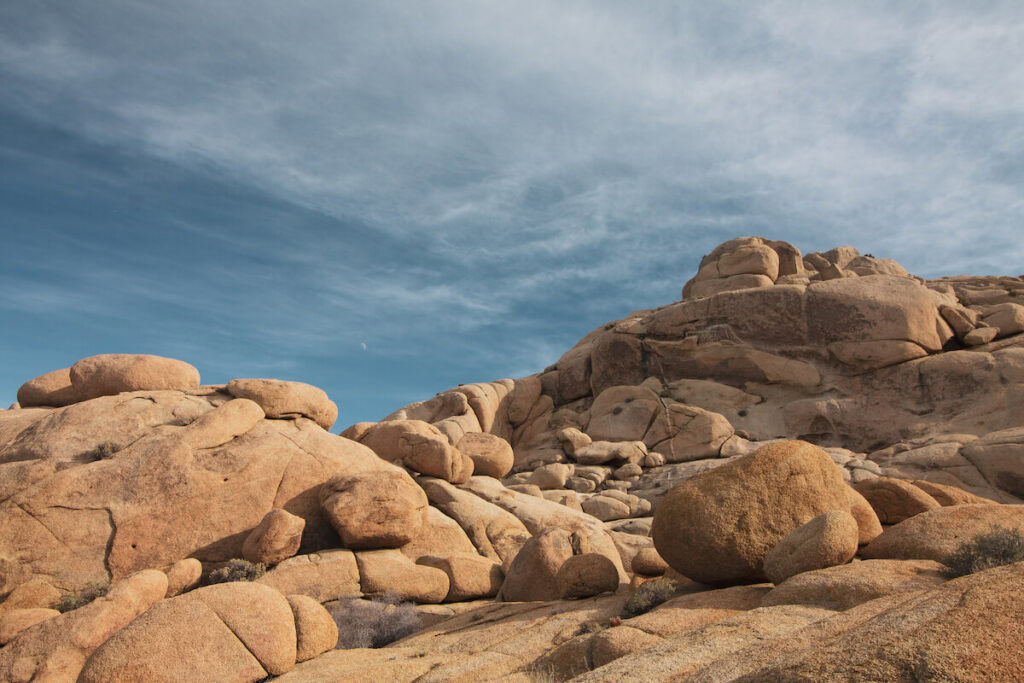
(585, 575)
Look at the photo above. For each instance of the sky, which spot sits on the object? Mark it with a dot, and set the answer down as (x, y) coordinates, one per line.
(386, 199)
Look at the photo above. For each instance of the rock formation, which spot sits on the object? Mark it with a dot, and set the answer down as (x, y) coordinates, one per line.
(789, 413)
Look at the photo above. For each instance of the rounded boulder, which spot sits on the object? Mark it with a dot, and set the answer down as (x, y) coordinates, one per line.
(378, 509)
(718, 527)
(116, 373)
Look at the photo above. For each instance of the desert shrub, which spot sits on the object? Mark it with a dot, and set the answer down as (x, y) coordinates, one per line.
(993, 548)
(105, 450)
(374, 623)
(81, 598)
(237, 570)
(649, 595)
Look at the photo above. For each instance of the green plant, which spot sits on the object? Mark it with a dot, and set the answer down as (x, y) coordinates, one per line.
(993, 548)
(104, 451)
(81, 598)
(648, 596)
(237, 570)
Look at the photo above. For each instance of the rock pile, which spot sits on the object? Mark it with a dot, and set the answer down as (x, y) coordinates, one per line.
(825, 422)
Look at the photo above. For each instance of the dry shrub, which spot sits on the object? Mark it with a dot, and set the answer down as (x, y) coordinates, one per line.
(237, 570)
(374, 623)
(993, 548)
(81, 598)
(649, 595)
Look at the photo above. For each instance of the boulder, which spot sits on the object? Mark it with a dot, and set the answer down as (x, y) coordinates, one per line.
(586, 575)
(470, 576)
(1008, 318)
(280, 399)
(384, 509)
(616, 360)
(14, 621)
(950, 495)
(600, 452)
(439, 535)
(183, 576)
(895, 500)
(389, 571)
(549, 477)
(325, 576)
(419, 446)
(573, 439)
(533, 573)
(689, 433)
(315, 630)
(828, 540)
(623, 413)
(492, 456)
(52, 389)
(999, 457)
(606, 508)
(30, 595)
(275, 538)
(848, 585)
(117, 373)
(238, 631)
(648, 562)
(496, 533)
(936, 534)
(717, 527)
(57, 648)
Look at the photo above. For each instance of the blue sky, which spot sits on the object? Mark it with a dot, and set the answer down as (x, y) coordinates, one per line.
(386, 199)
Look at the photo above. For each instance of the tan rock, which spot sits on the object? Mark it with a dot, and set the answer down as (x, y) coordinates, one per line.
(532, 574)
(573, 439)
(239, 631)
(275, 538)
(325, 576)
(607, 646)
(895, 500)
(32, 594)
(980, 335)
(117, 373)
(495, 532)
(357, 431)
(183, 576)
(492, 456)
(950, 495)
(606, 508)
(223, 423)
(649, 563)
(873, 354)
(714, 529)
(315, 630)
(383, 509)
(998, 457)
(623, 413)
(524, 395)
(733, 283)
(1008, 318)
(549, 477)
(616, 360)
(586, 575)
(14, 621)
(57, 648)
(389, 571)
(280, 399)
(564, 497)
(868, 525)
(936, 534)
(953, 632)
(691, 433)
(420, 447)
(470, 576)
(439, 535)
(600, 452)
(828, 540)
(52, 389)
(848, 585)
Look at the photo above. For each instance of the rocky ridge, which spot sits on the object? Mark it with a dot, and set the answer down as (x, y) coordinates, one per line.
(609, 468)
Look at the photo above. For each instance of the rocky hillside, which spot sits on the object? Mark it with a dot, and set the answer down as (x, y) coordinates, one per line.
(794, 447)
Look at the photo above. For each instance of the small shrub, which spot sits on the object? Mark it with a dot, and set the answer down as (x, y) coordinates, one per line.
(81, 598)
(993, 548)
(648, 596)
(374, 623)
(104, 451)
(237, 570)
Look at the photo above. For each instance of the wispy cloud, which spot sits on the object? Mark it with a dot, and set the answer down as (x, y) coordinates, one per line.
(536, 167)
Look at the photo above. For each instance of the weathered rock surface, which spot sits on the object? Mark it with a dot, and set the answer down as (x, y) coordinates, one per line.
(936, 534)
(275, 538)
(117, 373)
(382, 509)
(845, 586)
(717, 527)
(827, 540)
(287, 399)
